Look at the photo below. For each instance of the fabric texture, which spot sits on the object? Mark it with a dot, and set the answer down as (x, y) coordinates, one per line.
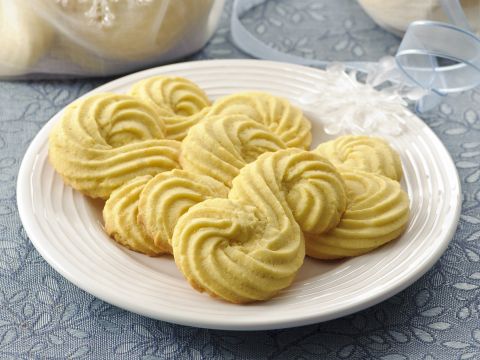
(44, 316)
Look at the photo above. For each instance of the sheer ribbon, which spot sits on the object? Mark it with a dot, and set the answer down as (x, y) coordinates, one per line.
(438, 58)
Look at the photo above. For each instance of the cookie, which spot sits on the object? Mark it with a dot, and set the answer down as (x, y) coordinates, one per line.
(275, 113)
(365, 153)
(250, 246)
(168, 196)
(120, 216)
(377, 212)
(104, 140)
(315, 192)
(122, 32)
(220, 146)
(181, 103)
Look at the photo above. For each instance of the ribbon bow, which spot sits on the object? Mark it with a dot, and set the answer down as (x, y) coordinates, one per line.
(434, 57)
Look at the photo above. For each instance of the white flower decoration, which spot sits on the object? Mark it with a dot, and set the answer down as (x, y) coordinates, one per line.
(347, 105)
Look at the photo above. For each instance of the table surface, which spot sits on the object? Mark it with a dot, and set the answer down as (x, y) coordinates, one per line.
(42, 315)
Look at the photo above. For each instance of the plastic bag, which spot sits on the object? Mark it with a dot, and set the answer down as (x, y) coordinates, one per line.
(43, 38)
(396, 15)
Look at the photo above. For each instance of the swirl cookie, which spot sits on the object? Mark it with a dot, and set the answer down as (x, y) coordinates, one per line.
(315, 192)
(311, 186)
(377, 212)
(104, 140)
(120, 216)
(370, 154)
(168, 196)
(277, 114)
(220, 146)
(248, 247)
(181, 103)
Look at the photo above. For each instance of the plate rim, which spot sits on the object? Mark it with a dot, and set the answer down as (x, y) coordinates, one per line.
(23, 181)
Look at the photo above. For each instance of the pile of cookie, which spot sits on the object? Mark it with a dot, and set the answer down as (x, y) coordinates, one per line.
(230, 189)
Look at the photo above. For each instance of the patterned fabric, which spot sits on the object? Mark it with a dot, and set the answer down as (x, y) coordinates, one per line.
(44, 316)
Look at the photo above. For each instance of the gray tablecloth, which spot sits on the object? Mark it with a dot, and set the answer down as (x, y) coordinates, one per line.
(42, 315)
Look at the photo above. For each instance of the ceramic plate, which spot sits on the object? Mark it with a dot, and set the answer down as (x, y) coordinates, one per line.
(66, 227)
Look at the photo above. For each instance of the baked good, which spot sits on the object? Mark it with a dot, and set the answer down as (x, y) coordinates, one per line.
(275, 113)
(315, 192)
(120, 216)
(129, 30)
(220, 146)
(181, 103)
(248, 247)
(365, 153)
(104, 140)
(377, 212)
(168, 196)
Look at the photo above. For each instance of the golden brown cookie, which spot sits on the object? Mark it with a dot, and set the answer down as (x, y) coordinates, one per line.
(377, 212)
(104, 140)
(168, 196)
(120, 216)
(181, 103)
(249, 247)
(275, 113)
(220, 146)
(365, 153)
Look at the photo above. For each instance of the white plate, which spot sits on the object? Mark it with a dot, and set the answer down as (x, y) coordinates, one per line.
(66, 227)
